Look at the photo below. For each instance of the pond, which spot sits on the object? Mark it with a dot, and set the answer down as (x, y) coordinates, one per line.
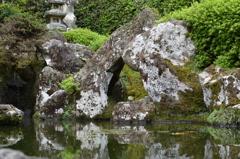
(106, 140)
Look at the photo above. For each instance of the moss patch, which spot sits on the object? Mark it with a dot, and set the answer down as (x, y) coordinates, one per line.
(191, 101)
(133, 85)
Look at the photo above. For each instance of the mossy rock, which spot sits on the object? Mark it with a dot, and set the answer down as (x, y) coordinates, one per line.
(191, 101)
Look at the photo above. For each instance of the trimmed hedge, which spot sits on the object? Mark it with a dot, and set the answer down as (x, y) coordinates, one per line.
(85, 37)
(105, 16)
(215, 28)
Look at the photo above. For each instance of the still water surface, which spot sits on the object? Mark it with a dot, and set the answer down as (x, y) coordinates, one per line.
(104, 140)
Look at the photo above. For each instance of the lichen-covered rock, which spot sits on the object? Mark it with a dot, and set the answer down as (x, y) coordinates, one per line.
(10, 114)
(221, 87)
(94, 92)
(161, 55)
(58, 57)
(133, 111)
(82, 52)
(61, 59)
(58, 36)
(148, 52)
(107, 63)
(55, 105)
(49, 80)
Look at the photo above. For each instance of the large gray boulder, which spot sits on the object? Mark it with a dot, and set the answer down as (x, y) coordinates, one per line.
(55, 105)
(152, 54)
(106, 65)
(49, 80)
(133, 111)
(82, 52)
(57, 55)
(62, 59)
(221, 87)
(10, 114)
(159, 54)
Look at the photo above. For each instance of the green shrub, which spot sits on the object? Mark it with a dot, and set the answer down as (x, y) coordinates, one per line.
(22, 33)
(67, 113)
(214, 27)
(69, 85)
(105, 16)
(224, 116)
(85, 37)
(6, 10)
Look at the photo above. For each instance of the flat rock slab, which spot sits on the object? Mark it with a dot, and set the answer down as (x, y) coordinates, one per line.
(10, 114)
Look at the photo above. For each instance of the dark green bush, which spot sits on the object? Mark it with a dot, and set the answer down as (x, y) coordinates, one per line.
(104, 16)
(85, 37)
(6, 10)
(33, 7)
(214, 27)
(21, 33)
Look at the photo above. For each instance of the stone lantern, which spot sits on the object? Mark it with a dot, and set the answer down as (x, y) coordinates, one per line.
(61, 15)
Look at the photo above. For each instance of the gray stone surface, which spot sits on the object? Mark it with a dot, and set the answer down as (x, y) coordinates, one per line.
(14, 154)
(133, 111)
(10, 114)
(96, 75)
(57, 55)
(221, 87)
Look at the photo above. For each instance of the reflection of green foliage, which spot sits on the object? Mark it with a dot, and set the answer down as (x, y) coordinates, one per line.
(132, 82)
(114, 131)
(135, 151)
(69, 153)
(226, 136)
(224, 116)
(67, 126)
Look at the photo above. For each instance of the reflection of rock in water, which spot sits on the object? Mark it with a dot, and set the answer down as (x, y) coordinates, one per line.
(47, 134)
(51, 138)
(136, 135)
(157, 151)
(94, 145)
(10, 137)
(208, 150)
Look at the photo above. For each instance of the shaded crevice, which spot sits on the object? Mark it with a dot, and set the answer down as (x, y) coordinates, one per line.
(116, 70)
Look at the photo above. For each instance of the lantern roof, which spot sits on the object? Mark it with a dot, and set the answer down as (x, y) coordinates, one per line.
(55, 12)
(56, 1)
